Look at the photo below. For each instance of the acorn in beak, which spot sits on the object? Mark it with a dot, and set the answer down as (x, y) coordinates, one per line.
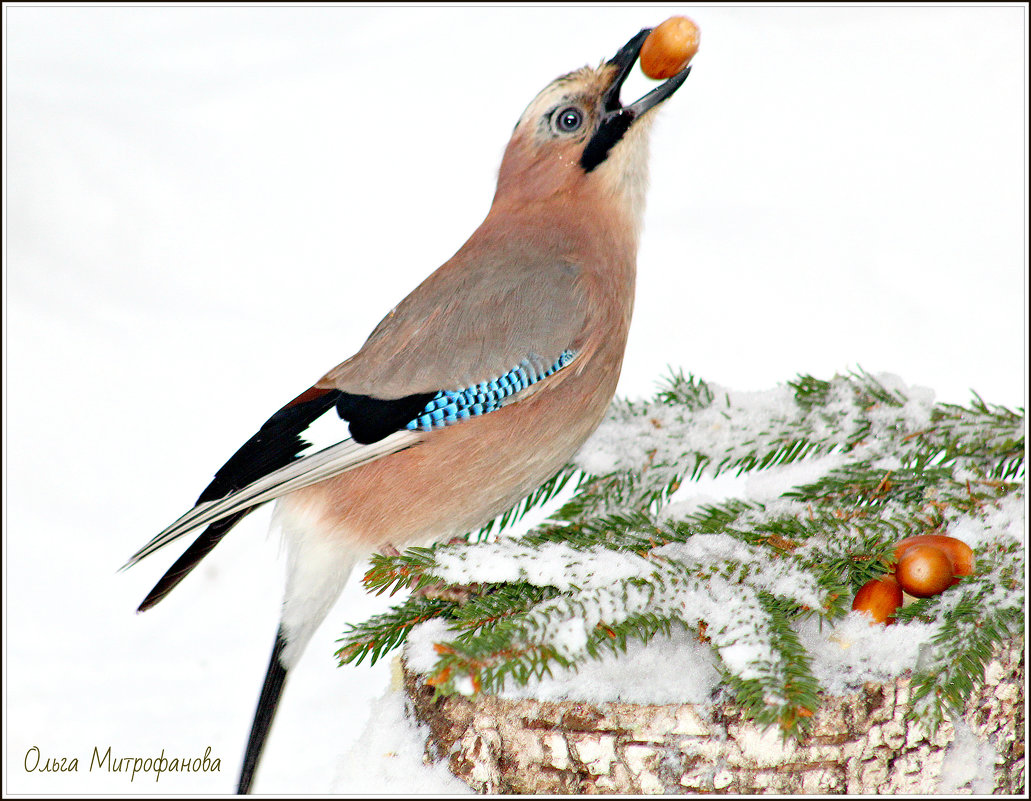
(617, 118)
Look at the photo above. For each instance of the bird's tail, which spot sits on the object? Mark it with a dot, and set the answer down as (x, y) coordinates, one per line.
(268, 702)
(200, 548)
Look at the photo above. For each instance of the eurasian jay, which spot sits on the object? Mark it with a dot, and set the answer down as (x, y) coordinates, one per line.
(473, 390)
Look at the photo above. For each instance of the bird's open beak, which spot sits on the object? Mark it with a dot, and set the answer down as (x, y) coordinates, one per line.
(623, 61)
(617, 118)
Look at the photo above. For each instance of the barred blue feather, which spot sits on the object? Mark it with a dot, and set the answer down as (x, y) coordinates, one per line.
(450, 406)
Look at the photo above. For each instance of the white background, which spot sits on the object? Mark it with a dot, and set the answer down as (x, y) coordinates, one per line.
(207, 208)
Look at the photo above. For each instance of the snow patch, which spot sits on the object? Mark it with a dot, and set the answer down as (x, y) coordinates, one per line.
(388, 757)
(671, 669)
(419, 652)
(969, 764)
(853, 650)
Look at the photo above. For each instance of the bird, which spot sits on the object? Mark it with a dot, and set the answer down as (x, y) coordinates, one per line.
(472, 391)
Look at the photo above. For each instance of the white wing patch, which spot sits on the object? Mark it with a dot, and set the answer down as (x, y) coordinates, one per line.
(323, 432)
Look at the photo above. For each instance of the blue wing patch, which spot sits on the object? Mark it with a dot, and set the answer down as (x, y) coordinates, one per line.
(451, 406)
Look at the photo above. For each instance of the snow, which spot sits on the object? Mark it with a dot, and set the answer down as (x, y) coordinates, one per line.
(853, 650)
(767, 486)
(606, 592)
(553, 564)
(969, 764)
(638, 436)
(419, 651)
(671, 669)
(1003, 523)
(203, 213)
(388, 757)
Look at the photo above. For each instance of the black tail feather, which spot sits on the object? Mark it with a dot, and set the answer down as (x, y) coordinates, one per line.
(271, 691)
(200, 548)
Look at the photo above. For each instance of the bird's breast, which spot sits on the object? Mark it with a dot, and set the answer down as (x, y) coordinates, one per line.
(459, 477)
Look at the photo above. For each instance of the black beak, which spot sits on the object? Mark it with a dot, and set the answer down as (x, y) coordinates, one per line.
(618, 118)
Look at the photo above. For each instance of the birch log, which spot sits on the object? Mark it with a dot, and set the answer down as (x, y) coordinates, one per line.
(860, 743)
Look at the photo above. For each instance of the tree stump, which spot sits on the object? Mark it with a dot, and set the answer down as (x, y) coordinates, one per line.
(860, 743)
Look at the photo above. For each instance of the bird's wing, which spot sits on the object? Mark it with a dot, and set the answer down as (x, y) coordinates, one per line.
(304, 442)
(456, 348)
(495, 304)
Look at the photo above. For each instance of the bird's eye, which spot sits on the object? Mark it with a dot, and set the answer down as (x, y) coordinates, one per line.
(569, 119)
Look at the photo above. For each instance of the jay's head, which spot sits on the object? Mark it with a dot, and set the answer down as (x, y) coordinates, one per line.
(578, 138)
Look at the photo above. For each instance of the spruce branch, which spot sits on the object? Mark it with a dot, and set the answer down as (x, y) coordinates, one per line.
(394, 572)
(382, 633)
(975, 616)
(622, 559)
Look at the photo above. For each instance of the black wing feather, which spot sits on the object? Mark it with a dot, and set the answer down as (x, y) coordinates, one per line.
(278, 443)
(372, 419)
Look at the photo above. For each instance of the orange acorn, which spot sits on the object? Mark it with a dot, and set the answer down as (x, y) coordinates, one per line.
(669, 48)
(879, 598)
(924, 570)
(960, 554)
